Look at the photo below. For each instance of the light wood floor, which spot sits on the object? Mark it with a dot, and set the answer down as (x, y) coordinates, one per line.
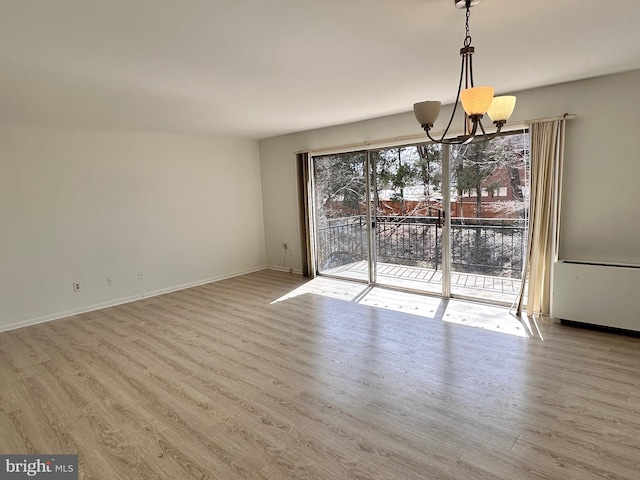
(219, 382)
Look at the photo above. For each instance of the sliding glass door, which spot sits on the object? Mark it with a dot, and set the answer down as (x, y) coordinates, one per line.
(443, 220)
(408, 216)
(489, 201)
(342, 233)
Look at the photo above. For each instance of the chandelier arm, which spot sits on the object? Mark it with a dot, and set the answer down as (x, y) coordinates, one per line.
(468, 140)
(429, 135)
(491, 136)
(482, 128)
(455, 106)
(485, 137)
(496, 133)
(470, 63)
(472, 135)
(452, 141)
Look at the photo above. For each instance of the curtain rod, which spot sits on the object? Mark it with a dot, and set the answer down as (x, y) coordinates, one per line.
(411, 138)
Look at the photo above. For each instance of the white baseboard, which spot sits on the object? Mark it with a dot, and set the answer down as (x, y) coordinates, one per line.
(184, 286)
(69, 313)
(284, 269)
(123, 300)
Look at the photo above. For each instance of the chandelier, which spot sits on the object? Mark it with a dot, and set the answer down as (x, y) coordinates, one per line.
(476, 101)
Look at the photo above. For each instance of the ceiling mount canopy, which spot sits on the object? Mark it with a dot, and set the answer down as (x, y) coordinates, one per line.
(463, 3)
(476, 101)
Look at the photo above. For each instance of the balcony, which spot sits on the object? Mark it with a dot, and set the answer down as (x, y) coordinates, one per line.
(486, 254)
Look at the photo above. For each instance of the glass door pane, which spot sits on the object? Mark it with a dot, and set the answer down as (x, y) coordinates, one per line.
(340, 192)
(407, 210)
(489, 200)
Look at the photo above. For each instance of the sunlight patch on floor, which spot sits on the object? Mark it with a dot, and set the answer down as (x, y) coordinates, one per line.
(488, 317)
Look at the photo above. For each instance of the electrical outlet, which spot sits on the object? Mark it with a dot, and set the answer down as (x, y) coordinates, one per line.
(140, 275)
(285, 246)
(77, 287)
(111, 281)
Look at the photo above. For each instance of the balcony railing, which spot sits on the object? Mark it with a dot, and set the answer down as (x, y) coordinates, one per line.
(482, 246)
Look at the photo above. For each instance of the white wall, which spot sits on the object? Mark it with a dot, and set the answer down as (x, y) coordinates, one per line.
(81, 206)
(601, 216)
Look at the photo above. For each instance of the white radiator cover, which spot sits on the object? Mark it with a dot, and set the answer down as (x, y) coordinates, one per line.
(596, 293)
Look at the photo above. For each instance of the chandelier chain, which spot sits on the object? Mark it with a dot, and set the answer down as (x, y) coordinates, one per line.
(467, 39)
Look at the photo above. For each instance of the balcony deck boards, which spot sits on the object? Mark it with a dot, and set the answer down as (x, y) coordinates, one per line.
(483, 287)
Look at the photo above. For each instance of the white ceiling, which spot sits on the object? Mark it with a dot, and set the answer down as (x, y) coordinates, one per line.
(259, 68)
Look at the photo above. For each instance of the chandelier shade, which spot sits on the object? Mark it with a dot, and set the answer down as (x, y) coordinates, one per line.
(476, 101)
(427, 112)
(501, 108)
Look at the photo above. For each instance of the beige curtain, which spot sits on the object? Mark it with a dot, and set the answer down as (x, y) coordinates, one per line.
(305, 199)
(547, 152)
